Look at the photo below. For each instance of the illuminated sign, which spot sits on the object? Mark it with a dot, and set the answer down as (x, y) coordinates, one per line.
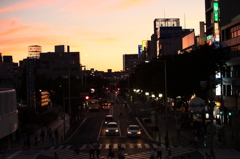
(216, 32)
(139, 50)
(144, 45)
(215, 11)
(209, 37)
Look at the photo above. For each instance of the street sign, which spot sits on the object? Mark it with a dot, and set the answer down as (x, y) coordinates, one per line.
(197, 104)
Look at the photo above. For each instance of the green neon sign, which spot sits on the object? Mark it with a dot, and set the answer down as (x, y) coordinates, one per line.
(215, 11)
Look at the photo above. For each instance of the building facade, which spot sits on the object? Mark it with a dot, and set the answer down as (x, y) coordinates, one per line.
(170, 38)
(130, 62)
(8, 113)
(61, 62)
(223, 26)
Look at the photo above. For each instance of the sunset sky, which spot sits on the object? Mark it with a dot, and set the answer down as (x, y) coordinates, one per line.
(101, 30)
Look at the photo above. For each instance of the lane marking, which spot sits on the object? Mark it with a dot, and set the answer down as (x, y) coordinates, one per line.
(68, 147)
(120, 134)
(154, 145)
(100, 131)
(84, 146)
(13, 155)
(123, 145)
(131, 146)
(60, 147)
(139, 146)
(115, 146)
(147, 145)
(144, 129)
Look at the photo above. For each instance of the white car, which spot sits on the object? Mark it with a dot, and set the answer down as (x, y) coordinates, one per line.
(112, 129)
(133, 131)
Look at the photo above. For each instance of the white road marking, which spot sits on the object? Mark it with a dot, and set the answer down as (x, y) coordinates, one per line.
(147, 145)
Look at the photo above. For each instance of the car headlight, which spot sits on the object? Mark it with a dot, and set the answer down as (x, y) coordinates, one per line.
(129, 132)
(116, 130)
(106, 130)
(139, 132)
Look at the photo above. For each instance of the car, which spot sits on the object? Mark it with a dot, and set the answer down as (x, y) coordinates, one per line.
(133, 131)
(109, 118)
(106, 106)
(112, 129)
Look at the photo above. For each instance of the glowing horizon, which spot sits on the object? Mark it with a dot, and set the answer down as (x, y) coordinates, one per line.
(101, 30)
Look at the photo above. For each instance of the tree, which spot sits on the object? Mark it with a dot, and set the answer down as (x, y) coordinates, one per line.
(184, 71)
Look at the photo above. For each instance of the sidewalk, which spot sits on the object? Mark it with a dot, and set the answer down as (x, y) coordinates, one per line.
(57, 124)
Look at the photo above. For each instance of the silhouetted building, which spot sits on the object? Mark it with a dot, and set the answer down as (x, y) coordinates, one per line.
(8, 71)
(130, 62)
(60, 63)
(170, 38)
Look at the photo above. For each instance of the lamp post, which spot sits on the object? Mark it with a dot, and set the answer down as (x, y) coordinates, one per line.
(82, 73)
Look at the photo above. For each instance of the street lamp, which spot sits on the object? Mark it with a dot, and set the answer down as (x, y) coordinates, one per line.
(165, 87)
(82, 73)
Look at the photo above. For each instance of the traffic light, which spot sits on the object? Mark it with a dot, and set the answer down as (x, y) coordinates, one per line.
(118, 89)
(229, 113)
(86, 97)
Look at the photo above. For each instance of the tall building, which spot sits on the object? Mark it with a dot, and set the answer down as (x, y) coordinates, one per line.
(8, 71)
(223, 27)
(130, 62)
(170, 38)
(8, 113)
(61, 62)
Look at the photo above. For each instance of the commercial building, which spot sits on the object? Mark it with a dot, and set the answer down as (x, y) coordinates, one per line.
(61, 62)
(170, 38)
(8, 113)
(130, 62)
(8, 71)
(223, 27)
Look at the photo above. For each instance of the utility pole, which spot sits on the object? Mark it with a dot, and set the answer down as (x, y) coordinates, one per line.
(64, 117)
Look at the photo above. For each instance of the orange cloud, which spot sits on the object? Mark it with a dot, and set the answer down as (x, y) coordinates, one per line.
(14, 30)
(92, 7)
(127, 4)
(30, 4)
(9, 23)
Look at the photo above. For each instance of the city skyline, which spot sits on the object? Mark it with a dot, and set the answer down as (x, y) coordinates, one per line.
(101, 30)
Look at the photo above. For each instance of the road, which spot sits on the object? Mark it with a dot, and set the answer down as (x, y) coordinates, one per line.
(93, 129)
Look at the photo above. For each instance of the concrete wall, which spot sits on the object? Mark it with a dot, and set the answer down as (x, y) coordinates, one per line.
(8, 112)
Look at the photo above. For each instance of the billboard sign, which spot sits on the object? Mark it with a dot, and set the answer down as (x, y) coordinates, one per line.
(215, 11)
(144, 45)
(139, 50)
(216, 32)
(167, 32)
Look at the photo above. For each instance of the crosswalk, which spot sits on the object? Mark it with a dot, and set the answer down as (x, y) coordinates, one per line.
(69, 154)
(115, 146)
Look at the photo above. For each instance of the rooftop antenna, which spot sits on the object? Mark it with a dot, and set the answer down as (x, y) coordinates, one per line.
(184, 22)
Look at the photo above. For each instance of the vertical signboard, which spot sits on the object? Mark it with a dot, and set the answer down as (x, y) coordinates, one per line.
(216, 21)
(144, 45)
(139, 50)
(30, 83)
(216, 32)
(215, 12)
